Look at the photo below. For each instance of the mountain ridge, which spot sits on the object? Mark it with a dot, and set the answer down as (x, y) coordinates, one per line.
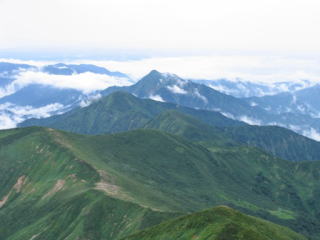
(171, 88)
(121, 111)
(153, 169)
(203, 225)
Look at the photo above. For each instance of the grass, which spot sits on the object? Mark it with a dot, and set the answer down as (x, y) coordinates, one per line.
(151, 175)
(220, 223)
(283, 214)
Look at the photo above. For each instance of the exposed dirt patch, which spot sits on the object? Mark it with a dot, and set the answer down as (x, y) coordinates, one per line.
(107, 188)
(59, 138)
(106, 185)
(34, 236)
(19, 184)
(17, 187)
(4, 200)
(104, 176)
(56, 188)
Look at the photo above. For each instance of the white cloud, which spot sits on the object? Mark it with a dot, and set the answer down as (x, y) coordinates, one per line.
(249, 120)
(31, 111)
(253, 104)
(91, 98)
(197, 94)
(7, 122)
(177, 90)
(312, 133)
(304, 130)
(8, 90)
(36, 63)
(156, 98)
(226, 114)
(254, 68)
(11, 115)
(86, 82)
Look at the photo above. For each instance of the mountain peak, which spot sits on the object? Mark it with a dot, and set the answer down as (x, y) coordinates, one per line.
(158, 77)
(156, 74)
(153, 74)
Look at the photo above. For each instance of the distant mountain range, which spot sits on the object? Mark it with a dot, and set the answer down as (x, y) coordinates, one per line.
(292, 108)
(9, 70)
(120, 111)
(69, 69)
(171, 88)
(36, 99)
(241, 88)
(162, 158)
(305, 101)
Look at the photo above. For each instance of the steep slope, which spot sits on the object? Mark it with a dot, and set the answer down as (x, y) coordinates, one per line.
(310, 97)
(48, 192)
(220, 223)
(49, 176)
(279, 103)
(278, 141)
(305, 101)
(186, 126)
(121, 111)
(171, 88)
(165, 172)
(245, 89)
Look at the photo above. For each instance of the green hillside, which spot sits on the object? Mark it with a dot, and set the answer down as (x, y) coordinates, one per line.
(220, 223)
(48, 192)
(184, 125)
(279, 141)
(119, 112)
(144, 175)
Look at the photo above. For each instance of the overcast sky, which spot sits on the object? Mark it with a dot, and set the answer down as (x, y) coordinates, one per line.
(162, 26)
(258, 40)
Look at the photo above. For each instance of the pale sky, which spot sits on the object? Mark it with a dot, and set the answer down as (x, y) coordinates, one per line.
(256, 40)
(171, 26)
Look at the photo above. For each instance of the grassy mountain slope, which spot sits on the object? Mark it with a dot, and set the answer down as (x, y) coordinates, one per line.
(49, 175)
(119, 112)
(277, 141)
(190, 128)
(48, 192)
(220, 223)
(175, 175)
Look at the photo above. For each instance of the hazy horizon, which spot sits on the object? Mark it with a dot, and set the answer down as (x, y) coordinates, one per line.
(266, 41)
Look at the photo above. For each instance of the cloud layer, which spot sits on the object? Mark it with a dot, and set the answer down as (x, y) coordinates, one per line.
(86, 82)
(253, 68)
(11, 115)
